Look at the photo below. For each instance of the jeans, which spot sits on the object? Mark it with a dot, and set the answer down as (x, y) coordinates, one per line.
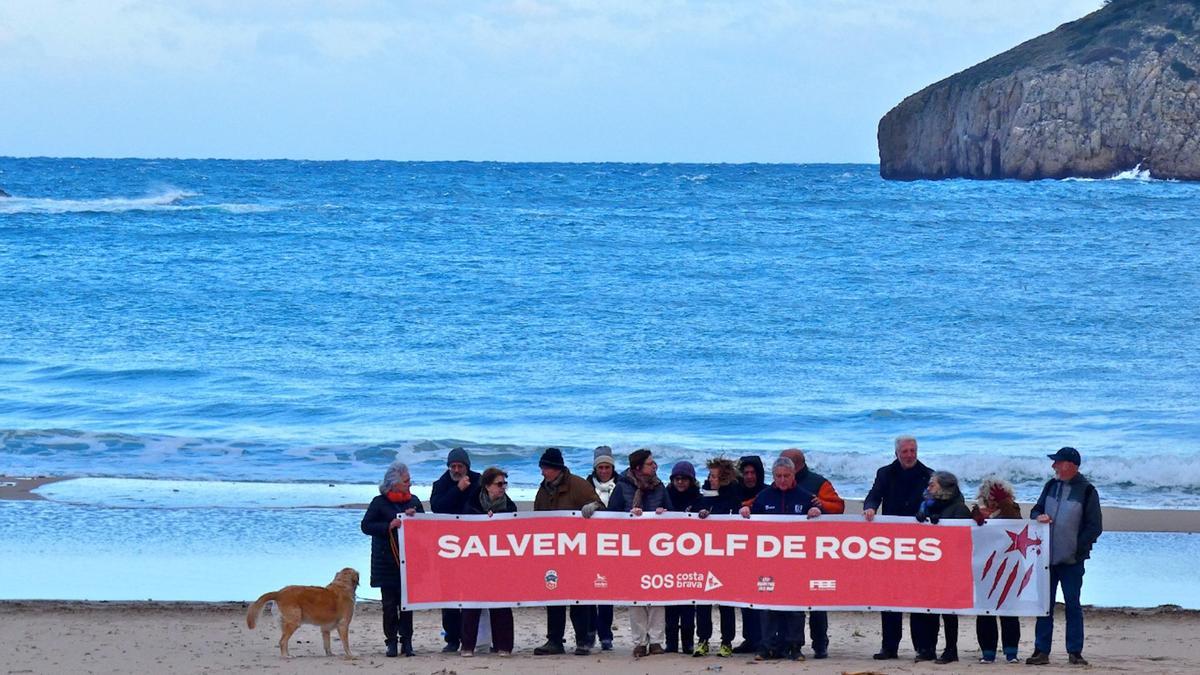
(1009, 634)
(1071, 577)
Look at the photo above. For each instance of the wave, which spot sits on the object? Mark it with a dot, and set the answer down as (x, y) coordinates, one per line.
(1137, 173)
(1166, 479)
(168, 200)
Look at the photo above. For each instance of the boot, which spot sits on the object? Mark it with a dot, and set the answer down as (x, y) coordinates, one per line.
(948, 656)
(406, 647)
(551, 647)
(391, 648)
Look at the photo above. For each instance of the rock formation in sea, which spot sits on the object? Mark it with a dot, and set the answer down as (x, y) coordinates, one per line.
(1116, 89)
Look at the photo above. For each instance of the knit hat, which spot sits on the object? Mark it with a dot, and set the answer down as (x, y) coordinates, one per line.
(683, 469)
(458, 455)
(552, 458)
(637, 458)
(603, 455)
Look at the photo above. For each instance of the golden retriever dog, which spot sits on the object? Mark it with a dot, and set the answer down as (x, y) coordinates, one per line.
(329, 607)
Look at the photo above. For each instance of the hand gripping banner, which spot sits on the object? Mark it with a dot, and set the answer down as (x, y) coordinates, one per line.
(769, 562)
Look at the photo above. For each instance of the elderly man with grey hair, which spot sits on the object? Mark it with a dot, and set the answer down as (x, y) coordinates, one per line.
(383, 516)
(783, 631)
(898, 490)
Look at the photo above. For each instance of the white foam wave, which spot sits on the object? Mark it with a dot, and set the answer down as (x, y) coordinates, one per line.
(1137, 173)
(167, 200)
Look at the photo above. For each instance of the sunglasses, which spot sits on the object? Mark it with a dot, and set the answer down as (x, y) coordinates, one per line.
(501, 483)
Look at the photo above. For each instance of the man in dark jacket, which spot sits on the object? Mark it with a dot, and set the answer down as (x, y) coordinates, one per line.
(1071, 505)
(563, 491)
(753, 480)
(457, 487)
(898, 491)
(828, 500)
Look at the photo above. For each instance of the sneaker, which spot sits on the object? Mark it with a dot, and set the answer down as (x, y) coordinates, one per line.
(1013, 659)
(656, 649)
(606, 645)
(503, 654)
(467, 653)
(1038, 659)
(450, 648)
(725, 650)
(582, 649)
(883, 655)
(701, 649)
(1076, 659)
(640, 651)
(987, 660)
(551, 647)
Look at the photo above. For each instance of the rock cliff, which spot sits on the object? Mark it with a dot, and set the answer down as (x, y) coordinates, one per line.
(1115, 89)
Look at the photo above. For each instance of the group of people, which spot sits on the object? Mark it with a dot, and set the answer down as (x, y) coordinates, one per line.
(905, 487)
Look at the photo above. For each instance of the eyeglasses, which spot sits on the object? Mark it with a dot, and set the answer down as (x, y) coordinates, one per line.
(501, 483)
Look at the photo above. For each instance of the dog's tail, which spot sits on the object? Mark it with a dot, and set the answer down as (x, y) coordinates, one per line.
(257, 607)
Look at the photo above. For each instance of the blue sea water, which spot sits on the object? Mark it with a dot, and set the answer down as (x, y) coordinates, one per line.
(288, 321)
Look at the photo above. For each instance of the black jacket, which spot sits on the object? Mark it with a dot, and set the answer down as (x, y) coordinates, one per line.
(727, 501)
(447, 498)
(622, 497)
(749, 493)
(683, 501)
(385, 569)
(942, 509)
(475, 507)
(898, 490)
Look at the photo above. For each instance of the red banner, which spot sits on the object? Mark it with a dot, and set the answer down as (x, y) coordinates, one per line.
(831, 562)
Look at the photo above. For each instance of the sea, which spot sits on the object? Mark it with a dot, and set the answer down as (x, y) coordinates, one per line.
(199, 337)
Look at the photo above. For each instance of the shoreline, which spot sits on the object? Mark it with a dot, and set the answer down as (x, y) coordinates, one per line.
(1116, 518)
(185, 637)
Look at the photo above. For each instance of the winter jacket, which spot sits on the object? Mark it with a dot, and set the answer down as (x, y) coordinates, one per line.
(775, 502)
(447, 498)
(622, 497)
(898, 490)
(749, 493)
(936, 510)
(571, 494)
(1004, 511)
(815, 483)
(1074, 507)
(684, 501)
(726, 501)
(385, 569)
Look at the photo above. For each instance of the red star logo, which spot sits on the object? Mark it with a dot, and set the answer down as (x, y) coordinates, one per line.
(1021, 541)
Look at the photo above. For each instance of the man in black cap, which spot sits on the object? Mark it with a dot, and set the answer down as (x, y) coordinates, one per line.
(450, 493)
(563, 491)
(898, 491)
(1071, 505)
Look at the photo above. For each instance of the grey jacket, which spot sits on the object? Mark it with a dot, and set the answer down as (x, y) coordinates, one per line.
(1077, 523)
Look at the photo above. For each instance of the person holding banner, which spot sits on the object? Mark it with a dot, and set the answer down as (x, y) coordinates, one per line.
(492, 499)
(753, 481)
(604, 480)
(456, 488)
(720, 495)
(639, 490)
(563, 491)
(828, 500)
(943, 501)
(783, 632)
(380, 522)
(683, 494)
(1071, 505)
(996, 499)
(897, 491)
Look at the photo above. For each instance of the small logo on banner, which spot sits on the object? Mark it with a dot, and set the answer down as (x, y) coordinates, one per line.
(551, 580)
(822, 584)
(601, 581)
(711, 582)
(766, 584)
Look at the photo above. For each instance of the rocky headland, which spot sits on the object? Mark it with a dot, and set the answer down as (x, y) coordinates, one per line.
(1116, 89)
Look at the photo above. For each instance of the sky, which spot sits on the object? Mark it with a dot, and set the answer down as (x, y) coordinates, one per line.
(508, 80)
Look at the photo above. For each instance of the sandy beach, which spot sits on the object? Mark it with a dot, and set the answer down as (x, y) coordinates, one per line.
(59, 637)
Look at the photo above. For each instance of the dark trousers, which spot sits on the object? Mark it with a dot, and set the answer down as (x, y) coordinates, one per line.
(681, 627)
(923, 639)
(752, 626)
(395, 622)
(581, 622)
(602, 621)
(1009, 634)
(950, 621)
(502, 628)
(782, 631)
(704, 624)
(1071, 577)
(818, 630)
(452, 625)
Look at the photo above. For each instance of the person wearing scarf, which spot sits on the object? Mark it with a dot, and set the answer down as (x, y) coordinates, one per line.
(492, 499)
(639, 490)
(380, 522)
(942, 500)
(683, 493)
(604, 479)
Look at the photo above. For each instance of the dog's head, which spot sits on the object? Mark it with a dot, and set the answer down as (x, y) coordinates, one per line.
(348, 577)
